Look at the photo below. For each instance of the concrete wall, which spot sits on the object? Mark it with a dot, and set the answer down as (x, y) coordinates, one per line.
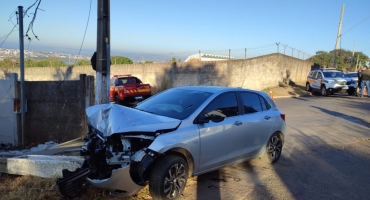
(57, 97)
(8, 118)
(254, 73)
(56, 109)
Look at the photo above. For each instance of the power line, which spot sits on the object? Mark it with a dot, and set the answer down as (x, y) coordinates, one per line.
(7, 35)
(30, 26)
(83, 39)
(355, 26)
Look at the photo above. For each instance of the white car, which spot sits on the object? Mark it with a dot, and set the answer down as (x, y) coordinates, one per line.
(181, 132)
(330, 81)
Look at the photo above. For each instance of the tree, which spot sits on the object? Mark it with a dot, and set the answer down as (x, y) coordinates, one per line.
(343, 62)
(117, 60)
(8, 62)
(83, 63)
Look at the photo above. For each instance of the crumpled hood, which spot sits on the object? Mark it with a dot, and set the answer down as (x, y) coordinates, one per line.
(112, 118)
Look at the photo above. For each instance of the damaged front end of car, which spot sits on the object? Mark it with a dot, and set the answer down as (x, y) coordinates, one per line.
(116, 150)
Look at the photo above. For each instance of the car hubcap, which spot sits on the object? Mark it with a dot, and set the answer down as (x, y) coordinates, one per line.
(175, 181)
(323, 91)
(274, 147)
(307, 87)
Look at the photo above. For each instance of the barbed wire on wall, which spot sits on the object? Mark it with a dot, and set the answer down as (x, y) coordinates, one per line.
(246, 53)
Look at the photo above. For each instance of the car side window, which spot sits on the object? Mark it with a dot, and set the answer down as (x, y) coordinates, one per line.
(265, 105)
(314, 74)
(252, 102)
(224, 106)
(319, 75)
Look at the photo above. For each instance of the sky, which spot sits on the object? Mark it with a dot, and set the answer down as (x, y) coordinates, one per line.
(179, 27)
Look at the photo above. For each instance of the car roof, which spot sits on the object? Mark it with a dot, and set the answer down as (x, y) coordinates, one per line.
(327, 70)
(215, 89)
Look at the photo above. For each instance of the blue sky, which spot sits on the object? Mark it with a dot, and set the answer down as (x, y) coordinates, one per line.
(185, 27)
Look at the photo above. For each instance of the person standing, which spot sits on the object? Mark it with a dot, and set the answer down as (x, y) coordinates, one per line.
(365, 81)
(358, 90)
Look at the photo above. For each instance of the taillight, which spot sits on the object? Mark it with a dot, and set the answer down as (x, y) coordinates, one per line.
(282, 116)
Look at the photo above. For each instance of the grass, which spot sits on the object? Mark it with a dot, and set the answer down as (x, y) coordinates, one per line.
(15, 187)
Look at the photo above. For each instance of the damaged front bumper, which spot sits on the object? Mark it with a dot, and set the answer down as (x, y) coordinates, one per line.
(116, 150)
(120, 178)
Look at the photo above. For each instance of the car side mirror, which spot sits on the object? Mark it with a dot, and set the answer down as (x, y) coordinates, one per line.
(216, 118)
(201, 119)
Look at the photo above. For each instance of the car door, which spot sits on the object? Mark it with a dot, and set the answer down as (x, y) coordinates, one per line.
(257, 122)
(313, 80)
(224, 141)
(318, 80)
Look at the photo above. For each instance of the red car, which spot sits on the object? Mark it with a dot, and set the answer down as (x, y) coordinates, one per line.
(128, 88)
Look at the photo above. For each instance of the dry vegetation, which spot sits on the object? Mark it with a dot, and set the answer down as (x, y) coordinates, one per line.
(14, 187)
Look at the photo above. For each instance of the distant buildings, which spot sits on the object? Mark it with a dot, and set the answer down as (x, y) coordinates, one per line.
(207, 57)
(14, 54)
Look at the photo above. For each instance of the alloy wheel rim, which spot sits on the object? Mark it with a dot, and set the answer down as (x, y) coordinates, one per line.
(323, 91)
(274, 147)
(175, 181)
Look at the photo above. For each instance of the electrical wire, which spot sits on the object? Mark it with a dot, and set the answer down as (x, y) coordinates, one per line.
(83, 39)
(7, 35)
(30, 26)
(79, 52)
(355, 26)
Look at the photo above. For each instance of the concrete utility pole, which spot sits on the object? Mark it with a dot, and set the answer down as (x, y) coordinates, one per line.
(353, 56)
(103, 53)
(21, 63)
(338, 37)
(357, 61)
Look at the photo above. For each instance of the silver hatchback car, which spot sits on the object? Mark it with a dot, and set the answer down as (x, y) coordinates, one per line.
(181, 132)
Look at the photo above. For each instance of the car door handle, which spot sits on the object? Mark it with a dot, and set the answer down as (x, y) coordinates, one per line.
(238, 123)
(267, 117)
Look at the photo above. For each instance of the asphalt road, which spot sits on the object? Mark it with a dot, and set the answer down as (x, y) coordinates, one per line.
(326, 156)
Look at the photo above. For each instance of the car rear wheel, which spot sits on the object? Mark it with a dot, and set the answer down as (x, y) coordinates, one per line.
(324, 92)
(116, 100)
(308, 87)
(168, 178)
(273, 149)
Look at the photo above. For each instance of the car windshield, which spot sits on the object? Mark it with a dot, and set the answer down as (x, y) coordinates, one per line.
(334, 75)
(175, 103)
(352, 74)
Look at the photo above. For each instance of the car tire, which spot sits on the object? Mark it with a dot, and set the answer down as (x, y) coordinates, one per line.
(116, 99)
(351, 92)
(308, 87)
(168, 178)
(324, 92)
(273, 148)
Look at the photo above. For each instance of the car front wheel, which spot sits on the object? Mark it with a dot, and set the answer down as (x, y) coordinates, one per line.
(168, 178)
(324, 92)
(308, 87)
(273, 149)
